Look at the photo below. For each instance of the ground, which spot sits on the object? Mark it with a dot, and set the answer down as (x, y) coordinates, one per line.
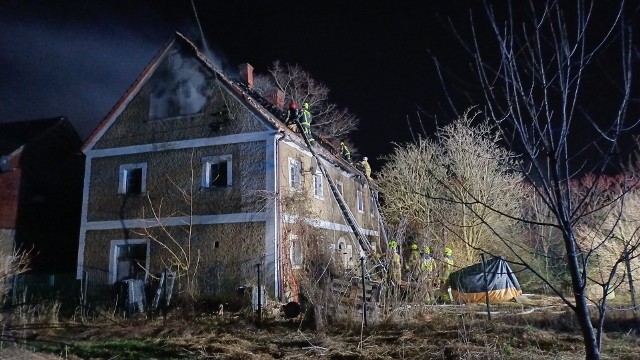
(530, 329)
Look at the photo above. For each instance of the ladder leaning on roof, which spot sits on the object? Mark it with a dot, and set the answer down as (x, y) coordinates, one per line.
(381, 221)
(365, 245)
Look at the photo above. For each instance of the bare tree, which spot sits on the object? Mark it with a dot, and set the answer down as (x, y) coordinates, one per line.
(455, 183)
(329, 120)
(181, 256)
(557, 83)
(11, 265)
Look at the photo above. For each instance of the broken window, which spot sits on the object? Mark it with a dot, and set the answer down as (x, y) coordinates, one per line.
(360, 201)
(132, 179)
(295, 174)
(179, 87)
(340, 188)
(216, 171)
(129, 259)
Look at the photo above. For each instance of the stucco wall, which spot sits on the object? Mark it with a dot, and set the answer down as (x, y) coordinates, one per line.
(229, 265)
(327, 208)
(171, 172)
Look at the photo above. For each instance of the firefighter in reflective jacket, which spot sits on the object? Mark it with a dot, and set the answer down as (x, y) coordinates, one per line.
(292, 114)
(305, 121)
(413, 264)
(427, 261)
(344, 152)
(366, 167)
(395, 268)
(426, 274)
(445, 271)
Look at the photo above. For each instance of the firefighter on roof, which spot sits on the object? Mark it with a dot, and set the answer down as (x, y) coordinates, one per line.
(344, 152)
(305, 121)
(292, 114)
(364, 164)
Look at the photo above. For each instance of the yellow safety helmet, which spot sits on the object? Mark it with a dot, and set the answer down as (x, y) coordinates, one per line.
(427, 250)
(414, 246)
(306, 105)
(447, 251)
(393, 244)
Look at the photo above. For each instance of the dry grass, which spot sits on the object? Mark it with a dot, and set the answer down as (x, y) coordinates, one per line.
(409, 332)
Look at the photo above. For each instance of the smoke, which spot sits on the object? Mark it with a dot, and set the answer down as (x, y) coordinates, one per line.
(178, 88)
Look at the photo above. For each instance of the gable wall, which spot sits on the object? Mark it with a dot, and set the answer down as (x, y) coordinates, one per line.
(178, 85)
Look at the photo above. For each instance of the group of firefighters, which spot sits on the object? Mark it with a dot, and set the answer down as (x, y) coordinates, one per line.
(304, 118)
(420, 269)
(420, 265)
(295, 115)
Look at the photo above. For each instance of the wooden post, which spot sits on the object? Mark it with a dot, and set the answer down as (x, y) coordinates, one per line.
(631, 288)
(165, 305)
(364, 293)
(84, 291)
(259, 296)
(486, 285)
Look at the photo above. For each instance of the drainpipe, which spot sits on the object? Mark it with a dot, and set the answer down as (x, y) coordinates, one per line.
(278, 212)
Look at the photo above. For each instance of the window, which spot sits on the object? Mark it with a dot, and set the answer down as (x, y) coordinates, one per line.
(372, 206)
(318, 186)
(132, 179)
(342, 253)
(340, 188)
(349, 256)
(216, 171)
(360, 201)
(129, 260)
(345, 253)
(295, 252)
(295, 174)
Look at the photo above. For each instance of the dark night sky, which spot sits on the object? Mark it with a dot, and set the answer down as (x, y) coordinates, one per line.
(76, 58)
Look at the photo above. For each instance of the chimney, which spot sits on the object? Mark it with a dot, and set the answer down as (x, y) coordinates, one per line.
(276, 97)
(246, 74)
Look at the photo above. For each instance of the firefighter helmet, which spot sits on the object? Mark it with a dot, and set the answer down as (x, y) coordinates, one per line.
(306, 105)
(393, 244)
(365, 159)
(414, 246)
(293, 105)
(447, 251)
(426, 249)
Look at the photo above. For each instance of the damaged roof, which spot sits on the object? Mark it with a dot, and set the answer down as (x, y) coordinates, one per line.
(254, 102)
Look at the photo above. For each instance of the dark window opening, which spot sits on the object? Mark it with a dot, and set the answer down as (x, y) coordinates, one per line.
(131, 262)
(134, 181)
(216, 244)
(218, 174)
